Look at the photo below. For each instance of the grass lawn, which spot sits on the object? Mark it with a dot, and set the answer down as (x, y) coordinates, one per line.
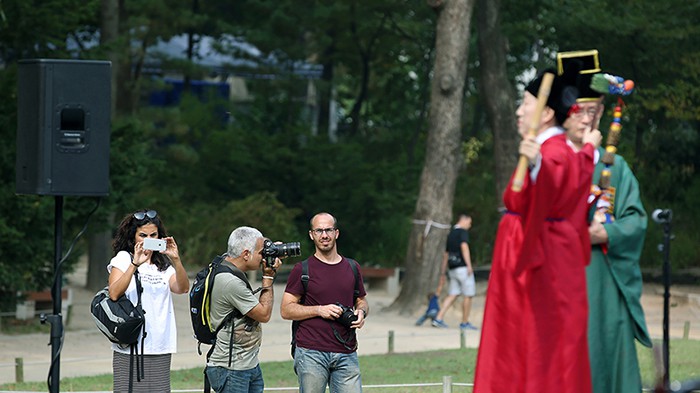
(419, 367)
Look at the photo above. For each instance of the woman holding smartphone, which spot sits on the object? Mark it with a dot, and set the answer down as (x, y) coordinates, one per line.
(161, 274)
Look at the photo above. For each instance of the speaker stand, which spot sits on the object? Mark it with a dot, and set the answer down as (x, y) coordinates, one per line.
(56, 319)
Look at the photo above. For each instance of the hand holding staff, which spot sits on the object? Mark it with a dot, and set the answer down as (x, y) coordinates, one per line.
(542, 96)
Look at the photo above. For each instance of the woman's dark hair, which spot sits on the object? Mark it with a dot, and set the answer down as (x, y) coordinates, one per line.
(126, 232)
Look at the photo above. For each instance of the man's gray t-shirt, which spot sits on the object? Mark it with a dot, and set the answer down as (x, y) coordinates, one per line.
(230, 292)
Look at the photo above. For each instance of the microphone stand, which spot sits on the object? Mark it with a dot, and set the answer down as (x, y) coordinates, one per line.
(664, 217)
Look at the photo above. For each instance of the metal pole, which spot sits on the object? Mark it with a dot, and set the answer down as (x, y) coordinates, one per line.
(667, 297)
(664, 217)
(56, 320)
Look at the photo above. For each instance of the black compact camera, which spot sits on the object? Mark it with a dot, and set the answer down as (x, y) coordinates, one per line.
(271, 251)
(347, 316)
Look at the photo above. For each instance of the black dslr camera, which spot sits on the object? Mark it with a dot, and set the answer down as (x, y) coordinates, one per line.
(347, 316)
(271, 251)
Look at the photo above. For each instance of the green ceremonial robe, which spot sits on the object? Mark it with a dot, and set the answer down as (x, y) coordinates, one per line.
(614, 283)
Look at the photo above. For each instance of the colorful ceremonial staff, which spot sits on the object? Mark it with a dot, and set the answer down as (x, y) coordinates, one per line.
(610, 84)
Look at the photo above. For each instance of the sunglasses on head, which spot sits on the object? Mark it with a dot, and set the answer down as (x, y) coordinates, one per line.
(142, 215)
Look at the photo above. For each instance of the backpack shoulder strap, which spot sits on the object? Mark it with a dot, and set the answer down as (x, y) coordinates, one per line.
(134, 353)
(236, 272)
(139, 287)
(356, 272)
(305, 285)
(229, 268)
(305, 276)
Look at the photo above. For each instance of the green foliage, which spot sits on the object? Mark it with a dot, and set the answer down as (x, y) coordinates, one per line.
(38, 28)
(26, 222)
(471, 150)
(671, 182)
(364, 185)
(268, 167)
(203, 229)
(683, 247)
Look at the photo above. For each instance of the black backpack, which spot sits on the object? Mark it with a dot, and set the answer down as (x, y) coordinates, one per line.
(305, 284)
(122, 322)
(200, 307)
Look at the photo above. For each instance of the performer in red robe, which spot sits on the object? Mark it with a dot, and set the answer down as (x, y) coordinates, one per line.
(534, 329)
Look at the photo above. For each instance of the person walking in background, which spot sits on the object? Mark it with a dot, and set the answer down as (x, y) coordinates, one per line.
(326, 344)
(534, 329)
(458, 259)
(617, 229)
(234, 366)
(161, 274)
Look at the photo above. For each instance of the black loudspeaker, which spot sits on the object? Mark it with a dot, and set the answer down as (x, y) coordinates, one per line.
(63, 127)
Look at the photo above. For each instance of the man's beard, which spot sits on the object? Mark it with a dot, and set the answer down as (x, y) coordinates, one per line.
(325, 246)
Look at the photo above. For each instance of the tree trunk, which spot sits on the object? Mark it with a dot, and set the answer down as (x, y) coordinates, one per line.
(497, 91)
(433, 212)
(99, 254)
(361, 96)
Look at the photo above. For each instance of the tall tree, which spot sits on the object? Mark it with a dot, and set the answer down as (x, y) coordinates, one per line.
(433, 213)
(497, 91)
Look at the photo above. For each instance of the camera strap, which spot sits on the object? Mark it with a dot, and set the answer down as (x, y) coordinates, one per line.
(344, 341)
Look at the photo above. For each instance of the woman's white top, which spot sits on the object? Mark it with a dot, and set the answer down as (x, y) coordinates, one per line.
(157, 302)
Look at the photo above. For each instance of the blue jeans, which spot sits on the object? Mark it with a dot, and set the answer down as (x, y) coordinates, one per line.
(316, 370)
(223, 380)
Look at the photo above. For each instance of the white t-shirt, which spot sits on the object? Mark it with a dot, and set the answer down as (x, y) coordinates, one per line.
(157, 301)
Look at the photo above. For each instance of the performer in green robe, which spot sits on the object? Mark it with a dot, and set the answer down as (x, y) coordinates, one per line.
(617, 229)
(614, 284)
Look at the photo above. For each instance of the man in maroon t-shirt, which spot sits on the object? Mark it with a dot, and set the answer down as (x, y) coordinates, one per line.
(326, 350)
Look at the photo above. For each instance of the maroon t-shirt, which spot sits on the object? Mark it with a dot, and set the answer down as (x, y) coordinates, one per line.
(328, 284)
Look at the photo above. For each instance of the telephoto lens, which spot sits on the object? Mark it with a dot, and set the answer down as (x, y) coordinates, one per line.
(281, 250)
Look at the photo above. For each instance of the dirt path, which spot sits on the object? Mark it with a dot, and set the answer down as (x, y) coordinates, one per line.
(86, 352)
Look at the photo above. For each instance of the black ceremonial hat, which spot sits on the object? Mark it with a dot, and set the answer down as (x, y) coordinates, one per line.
(563, 93)
(588, 64)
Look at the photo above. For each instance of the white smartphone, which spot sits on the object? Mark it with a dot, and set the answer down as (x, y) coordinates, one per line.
(150, 243)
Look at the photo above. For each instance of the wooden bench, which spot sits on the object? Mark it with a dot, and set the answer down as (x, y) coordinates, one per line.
(36, 302)
(382, 278)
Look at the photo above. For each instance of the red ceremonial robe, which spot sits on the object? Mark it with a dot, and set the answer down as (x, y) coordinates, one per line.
(534, 331)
